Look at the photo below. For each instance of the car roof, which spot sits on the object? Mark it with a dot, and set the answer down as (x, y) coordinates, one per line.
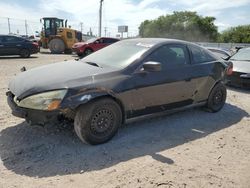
(5, 35)
(107, 38)
(150, 42)
(245, 48)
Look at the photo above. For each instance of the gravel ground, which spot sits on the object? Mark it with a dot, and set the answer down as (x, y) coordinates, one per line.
(187, 149)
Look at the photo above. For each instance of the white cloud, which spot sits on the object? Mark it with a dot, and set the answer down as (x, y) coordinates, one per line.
(87, 12)
(115, 12)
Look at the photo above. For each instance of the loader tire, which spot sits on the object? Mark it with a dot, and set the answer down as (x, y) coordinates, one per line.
(56, 46)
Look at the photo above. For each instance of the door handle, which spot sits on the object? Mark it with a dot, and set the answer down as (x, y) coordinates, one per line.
(18, 45)
(1, 45)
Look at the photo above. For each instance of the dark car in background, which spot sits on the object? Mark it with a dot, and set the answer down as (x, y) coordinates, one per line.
(222, 53)
(240, 76)
(92, 45)
(15, 45)
(130, 78)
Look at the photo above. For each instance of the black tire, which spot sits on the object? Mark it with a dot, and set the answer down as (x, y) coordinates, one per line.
(97, 122)
(56, 46)
(217, 98)
(68, 51)
(88, 51)
(25, 53)
(80, 54)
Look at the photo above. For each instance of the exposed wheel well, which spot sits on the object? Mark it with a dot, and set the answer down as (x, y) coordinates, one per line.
(113, 98)
(217, 82)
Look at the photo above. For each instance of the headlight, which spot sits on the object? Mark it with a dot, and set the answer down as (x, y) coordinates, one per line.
(43, 101)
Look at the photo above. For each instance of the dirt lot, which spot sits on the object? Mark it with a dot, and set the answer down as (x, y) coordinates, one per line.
(187, 149)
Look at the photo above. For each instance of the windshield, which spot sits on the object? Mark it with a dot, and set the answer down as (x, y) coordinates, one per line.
(91, 40)
(118, 55)
(242, 55)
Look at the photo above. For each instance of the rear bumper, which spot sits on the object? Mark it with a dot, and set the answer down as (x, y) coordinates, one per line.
(39, 117)
(35, 50)
(238, 79)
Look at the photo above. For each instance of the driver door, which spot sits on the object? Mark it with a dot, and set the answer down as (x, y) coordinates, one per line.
(171, 87)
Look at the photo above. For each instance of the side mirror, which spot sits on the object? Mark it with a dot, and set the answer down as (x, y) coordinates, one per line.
(97, 42)
(152, 66)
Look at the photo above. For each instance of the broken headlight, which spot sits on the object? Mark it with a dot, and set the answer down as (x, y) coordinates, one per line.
(43, 101)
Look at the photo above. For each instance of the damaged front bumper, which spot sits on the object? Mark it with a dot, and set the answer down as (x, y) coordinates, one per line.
(33, 117)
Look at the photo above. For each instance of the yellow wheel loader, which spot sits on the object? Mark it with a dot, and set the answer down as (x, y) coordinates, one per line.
(57, 36)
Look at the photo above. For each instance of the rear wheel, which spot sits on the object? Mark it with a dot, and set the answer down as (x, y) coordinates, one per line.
(88, 51)
(98, 121)
(25, 53)
(217, 98)
(56, 46)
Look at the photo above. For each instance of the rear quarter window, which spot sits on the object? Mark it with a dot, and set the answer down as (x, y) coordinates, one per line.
(200, 55)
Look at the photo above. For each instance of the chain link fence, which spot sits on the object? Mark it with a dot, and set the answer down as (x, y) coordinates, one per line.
(224, 45)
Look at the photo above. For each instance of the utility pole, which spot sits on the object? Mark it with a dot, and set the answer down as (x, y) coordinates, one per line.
(26, 28)
(105, 30)
(100, 18)
(81, 24)
(90, 32)
(9, 24)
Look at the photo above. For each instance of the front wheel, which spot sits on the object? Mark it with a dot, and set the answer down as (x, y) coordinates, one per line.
(80, 54)
(98, 121)
(217, 98)
(88, 51)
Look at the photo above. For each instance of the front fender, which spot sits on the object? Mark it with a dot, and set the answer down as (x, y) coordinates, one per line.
(82, 97)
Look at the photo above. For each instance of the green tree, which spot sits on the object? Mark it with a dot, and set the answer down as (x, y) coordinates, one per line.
(184, 25)
(239, 34)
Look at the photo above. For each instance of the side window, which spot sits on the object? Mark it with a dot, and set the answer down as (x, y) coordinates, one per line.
(110, 41)
(106, 41)
(101, 41)
(69, 35)
(200, 55)
(170, 55)
(1, 39)
(9, 39)
(47, 24)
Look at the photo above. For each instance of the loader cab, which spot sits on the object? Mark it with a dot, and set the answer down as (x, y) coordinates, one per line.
(51, 25)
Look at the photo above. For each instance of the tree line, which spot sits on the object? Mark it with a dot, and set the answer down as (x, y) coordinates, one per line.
(190, 26)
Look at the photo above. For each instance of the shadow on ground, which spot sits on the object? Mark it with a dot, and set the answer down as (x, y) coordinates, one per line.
(16, 57)
(49, 53)
(54, 150)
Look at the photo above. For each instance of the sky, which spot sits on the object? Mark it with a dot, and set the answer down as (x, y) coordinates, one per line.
(228, 13)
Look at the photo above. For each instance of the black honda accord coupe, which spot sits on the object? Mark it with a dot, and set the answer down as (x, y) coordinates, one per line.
(127, 79)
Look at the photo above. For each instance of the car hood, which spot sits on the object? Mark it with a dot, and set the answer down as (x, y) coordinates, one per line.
(55, 76)
(78, 44)
(241, 66)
